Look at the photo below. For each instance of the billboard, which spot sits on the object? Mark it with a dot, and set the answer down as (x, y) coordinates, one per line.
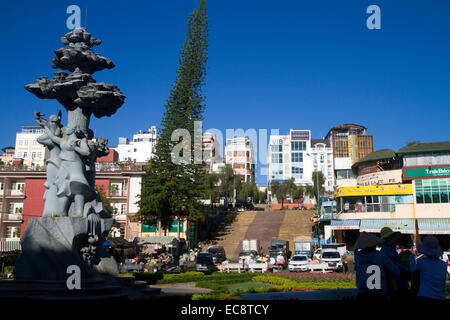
(300, 135)
(374, 190)
(426, 172)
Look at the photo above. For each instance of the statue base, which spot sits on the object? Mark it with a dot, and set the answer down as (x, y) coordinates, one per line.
(50, 245)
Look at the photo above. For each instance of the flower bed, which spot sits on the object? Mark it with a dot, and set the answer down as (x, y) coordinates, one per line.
(285, 284)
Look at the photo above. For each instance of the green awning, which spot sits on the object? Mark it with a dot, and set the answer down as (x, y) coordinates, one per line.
(7, 246)
(375, 225)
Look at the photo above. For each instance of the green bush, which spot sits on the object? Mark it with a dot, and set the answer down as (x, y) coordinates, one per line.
(284, 284)
(215, 296)
(8, 269)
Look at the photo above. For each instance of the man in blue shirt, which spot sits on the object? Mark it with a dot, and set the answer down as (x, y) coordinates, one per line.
(400, 285)
(371, 268)
(430, 272)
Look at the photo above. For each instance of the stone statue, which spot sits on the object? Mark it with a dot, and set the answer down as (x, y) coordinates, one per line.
(74, 222)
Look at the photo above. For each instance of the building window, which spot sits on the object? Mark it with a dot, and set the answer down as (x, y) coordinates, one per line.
(297, 157)
(322, 158)
(276, 148)
(432, 191)
(25, 154)
(39, 155)
(174, 226)
(33, 155)
(19, 154)
(297, 172)
(148, 226)
(277, 158)
(20, 143)
(25, 142)
(298, 145)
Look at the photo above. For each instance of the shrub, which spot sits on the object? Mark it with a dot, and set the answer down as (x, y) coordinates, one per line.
(285, 284)
(215, 296)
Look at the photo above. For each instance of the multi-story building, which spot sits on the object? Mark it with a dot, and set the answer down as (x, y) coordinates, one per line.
(140, 149)
(240, 154)
(322, 154)
(289, 156)
(27, 147)
(211, 150)
(407, 190)
(349, 143)
(8, 155)
(22, 197)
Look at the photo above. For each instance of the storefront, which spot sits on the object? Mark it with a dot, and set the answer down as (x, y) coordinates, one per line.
(345, 231)
(383, 198)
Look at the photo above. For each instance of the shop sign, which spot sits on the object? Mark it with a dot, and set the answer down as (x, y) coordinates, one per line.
(374, 190)
(379, 178)
(426, 172)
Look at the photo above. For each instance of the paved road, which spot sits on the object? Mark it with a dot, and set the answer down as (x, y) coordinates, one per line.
(264, 227)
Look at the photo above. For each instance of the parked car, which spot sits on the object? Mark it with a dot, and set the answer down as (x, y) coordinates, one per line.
(298, 263)
(333, 258)
(218, 253)
(204, 262)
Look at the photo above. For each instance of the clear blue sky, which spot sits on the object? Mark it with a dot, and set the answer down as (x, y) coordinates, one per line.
(272, 64)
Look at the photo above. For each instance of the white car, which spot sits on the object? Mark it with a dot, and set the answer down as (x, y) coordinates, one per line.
(298, 263)
(332, 258)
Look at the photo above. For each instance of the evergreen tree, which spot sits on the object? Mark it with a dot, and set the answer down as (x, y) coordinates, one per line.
(173, 189)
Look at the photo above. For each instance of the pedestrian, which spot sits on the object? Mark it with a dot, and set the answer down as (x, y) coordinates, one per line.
(371, 266)
(398, 287)
(430, 272)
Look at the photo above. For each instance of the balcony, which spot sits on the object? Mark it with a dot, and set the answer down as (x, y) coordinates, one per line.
(12, 217)
(15, 193)
(120, 217)
(117, 193)
(376, 207)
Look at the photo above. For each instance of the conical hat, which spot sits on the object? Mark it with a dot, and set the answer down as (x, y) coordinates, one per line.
(367, 240)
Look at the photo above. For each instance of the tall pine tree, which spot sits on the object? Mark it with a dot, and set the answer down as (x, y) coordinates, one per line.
(173, 190)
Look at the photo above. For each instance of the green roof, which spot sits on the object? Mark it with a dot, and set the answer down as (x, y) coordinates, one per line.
(426, 147)
(377, 155)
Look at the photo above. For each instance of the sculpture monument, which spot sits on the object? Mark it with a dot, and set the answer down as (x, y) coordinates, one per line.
(74, 221)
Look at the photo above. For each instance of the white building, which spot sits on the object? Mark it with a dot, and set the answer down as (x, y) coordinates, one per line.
(289, 156)
(240, 154)
(211, 150)
(322, 154)
(140, 149)
(27, 147)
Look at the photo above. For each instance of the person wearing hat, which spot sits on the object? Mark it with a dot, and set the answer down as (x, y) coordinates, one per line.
(430, 272)
(398, 287)
(366, 256)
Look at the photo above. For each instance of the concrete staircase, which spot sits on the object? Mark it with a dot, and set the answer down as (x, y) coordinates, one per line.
(261, 225)
(296, 223)
(233, 233)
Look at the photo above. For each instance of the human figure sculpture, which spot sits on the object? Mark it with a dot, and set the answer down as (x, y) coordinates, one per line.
(53, 204)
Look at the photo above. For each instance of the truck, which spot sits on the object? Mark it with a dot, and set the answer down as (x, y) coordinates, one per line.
(276, 246)
(250, 245)
(340, 247)
(302, 245)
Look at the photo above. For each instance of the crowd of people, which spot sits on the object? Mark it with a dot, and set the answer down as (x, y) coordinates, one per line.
(388, 275)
